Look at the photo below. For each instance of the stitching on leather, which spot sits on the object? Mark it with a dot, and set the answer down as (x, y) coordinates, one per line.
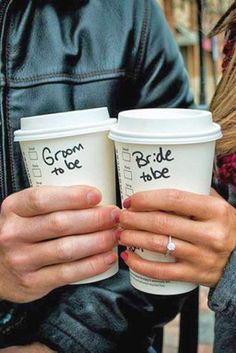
(142, 40)
(72, 75)
(8, 330)
(60, 329)
(8, 118)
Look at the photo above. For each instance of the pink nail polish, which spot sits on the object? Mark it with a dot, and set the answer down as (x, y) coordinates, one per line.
(118, 233)
(127, 202)
(115, 215)
(124, 255)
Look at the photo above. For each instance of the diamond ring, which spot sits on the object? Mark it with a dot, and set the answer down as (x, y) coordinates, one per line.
(170, 246)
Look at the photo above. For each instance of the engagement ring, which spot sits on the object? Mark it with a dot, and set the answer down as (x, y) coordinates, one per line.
(170, 246)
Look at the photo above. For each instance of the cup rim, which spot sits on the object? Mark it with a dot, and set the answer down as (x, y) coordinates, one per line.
(165, 126)
(31, 135)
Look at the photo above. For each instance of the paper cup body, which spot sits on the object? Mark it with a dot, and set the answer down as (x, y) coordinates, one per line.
(185, 171)
(83, 155)
(171, 162)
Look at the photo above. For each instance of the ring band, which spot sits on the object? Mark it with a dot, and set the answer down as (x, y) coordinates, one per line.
(170, 246)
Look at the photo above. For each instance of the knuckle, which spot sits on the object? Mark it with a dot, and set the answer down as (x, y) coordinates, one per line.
(16, 261)
(157, 243)
(6, 205)
(4, 239)
(211, 261)
(26, 281)
(211, 233)
(175, 195)
(220, 240)
(13, 262)
(223, 210)
(124, 217)
(36, 200)
(159, 273)
(100, 217)
(94, 266)
(64, 275)
(161, 223)
(7, 234)
(58, 224)
(127, 236)
(219, 243)
(64, 249)
(105, 241)
(210, 277)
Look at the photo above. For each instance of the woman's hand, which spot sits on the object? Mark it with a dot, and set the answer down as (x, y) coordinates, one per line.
(202, 227)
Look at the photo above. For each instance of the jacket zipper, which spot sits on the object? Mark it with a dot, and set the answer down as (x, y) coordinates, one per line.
(3, 5)
(5, 142)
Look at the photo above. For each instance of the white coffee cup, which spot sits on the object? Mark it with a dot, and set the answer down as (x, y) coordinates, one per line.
(164, 148)
(71, 148)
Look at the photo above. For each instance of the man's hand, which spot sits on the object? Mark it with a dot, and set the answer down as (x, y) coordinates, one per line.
(202, 227)
(33, 348)
(52, 236)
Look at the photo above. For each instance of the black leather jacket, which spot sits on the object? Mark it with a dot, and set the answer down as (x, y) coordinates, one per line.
(59, 55)
(75, 54)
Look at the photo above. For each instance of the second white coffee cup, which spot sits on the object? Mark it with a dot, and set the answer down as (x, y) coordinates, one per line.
(164, 148)
(71, 148)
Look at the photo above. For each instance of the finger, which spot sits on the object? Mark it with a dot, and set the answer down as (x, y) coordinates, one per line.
(59, 224)
(68, 249)
(166, 271)
(165, 224)
(171, 200)
(15, 349)
(32, 348)
(158, 243)
(46, 199)
(63, 274)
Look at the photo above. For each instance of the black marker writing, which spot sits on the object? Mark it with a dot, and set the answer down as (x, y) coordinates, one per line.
(158, 157)
(133, 248)
(60, 158)
(152, 173)
(155, 174)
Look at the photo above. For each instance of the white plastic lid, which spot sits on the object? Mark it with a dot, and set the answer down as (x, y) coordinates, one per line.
(64, 124)
(165, 126)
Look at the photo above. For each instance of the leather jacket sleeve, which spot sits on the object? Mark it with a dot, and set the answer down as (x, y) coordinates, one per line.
(222, 300)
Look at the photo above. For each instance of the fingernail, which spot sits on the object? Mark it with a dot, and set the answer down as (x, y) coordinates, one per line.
(115, 215)
(127, 202)
(124, 255)
(117, 233)
(93, 197)
(110, 258)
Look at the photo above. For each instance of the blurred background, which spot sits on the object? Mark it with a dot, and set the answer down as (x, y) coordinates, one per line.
(190, 22)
